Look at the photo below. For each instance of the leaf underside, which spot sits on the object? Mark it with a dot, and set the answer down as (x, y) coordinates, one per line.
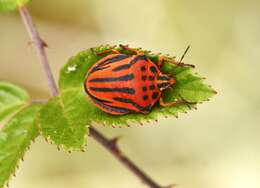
(189, 86)
(15, 138)
(9, 5)
(12, 98)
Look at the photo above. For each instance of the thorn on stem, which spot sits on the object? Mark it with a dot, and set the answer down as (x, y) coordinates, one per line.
(113, 144)
(114, 141)
(44, 44)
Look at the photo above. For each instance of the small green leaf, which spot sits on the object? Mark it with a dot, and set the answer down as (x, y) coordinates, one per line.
(15, 137)
(189, 86)
(9, 5)
(62, 124)
(12, 98)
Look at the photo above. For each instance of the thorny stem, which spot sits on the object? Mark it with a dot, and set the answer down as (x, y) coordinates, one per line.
(108, 144)
(111, 146)
(39, 46)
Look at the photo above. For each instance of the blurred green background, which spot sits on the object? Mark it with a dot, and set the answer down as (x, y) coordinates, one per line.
(215, 146)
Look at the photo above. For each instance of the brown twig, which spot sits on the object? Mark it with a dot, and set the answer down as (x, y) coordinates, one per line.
(39, 46)
(108, 144)
(111, 146)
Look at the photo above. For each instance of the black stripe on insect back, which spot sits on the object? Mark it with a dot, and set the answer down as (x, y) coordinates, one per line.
(127, 90)
(153, 69)
(129, 101)
(100, 100)
(128, 65)
(97, 68)
(102, 65)
(155, 95)
(126, 77)
(110, 108)
(152, 87)
(116, 58)
(151, 78)
(144, 77)
(143, 68)
(93, 97)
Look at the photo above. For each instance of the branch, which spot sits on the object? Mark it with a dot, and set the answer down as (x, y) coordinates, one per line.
(108, 144)
(111, 146)
(39, 46)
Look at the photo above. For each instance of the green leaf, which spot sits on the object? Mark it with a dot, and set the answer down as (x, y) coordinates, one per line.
(15, 138)
(189, 86)
(11, 99)
(9, 5)
(62, 124)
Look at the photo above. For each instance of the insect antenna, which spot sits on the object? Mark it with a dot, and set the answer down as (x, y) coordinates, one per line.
(183, 55)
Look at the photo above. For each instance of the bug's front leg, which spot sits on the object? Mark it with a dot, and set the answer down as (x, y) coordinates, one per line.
(164, 59)
(174, 103)
(113, 51)
(134, 51)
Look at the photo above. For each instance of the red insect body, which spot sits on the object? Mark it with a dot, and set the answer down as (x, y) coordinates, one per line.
(121, 84)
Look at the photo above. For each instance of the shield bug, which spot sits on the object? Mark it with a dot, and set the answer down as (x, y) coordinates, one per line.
(120, 84)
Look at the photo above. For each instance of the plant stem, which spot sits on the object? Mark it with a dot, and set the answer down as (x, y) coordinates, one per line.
(39, 46)
(110, 145)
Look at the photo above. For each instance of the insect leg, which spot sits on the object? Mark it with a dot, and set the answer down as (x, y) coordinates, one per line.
(125, 47)
(164, 59)
(180, 64)
(174, 103)
(113, 51)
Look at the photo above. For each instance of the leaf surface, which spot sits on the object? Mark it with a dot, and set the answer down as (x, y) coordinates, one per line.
(9, 5)
(12, 98)
(189, 87)
(15, 137)
(64, 125)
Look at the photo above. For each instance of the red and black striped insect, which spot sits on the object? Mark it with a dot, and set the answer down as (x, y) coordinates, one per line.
(120, 84)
